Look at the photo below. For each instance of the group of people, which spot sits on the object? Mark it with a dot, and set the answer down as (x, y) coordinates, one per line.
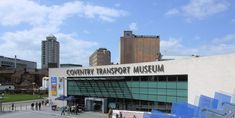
(75, 109)
(37, 105)
(110, 114)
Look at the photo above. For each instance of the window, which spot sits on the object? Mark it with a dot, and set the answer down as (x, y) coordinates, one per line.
(172, 78)
(162, 78)
(183, 78)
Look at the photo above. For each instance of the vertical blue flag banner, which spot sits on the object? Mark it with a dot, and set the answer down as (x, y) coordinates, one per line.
(61, 86)
(53, 86)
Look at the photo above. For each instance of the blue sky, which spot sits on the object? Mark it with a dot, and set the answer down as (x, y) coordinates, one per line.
(186, 27)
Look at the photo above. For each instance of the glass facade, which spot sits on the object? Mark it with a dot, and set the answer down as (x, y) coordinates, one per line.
(154, 89)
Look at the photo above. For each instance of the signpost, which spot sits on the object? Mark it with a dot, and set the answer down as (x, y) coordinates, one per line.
(33, 89)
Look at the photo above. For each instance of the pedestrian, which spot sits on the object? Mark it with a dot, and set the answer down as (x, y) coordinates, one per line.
(12, 106)
(32, 106)
(110, 113)
(39, 105)
(47, 101)
(36, 106)
(70, 109)
(73, 109)
(63, 111)
(76, 109)
(42, 102)
(120, 115)
(50, 103)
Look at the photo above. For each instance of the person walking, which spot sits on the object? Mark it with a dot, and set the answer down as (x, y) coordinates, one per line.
(47, 102)
(12, 106)
(32, 106)
(110, 113)
(39, 105)
(43, 102)
(36, 106)
(120, 115)
(76, 109)
(63, 111)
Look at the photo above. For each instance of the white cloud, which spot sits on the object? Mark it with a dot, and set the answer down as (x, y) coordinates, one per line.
(74, 50)
(133, 26)
(27, 45)
(217, 49)
(170, 46)
(106, 14)
(172, 12)
(200, 9)
(13, 13)
(43, 20)
(230, 38)
(222, 45)
(171, 42)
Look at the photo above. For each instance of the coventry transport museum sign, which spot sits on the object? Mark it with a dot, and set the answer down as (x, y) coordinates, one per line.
(124, 70)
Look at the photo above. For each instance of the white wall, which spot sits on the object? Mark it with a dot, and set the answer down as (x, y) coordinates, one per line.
(59, 103)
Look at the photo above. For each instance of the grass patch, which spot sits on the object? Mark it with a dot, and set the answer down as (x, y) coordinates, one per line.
(21, 97)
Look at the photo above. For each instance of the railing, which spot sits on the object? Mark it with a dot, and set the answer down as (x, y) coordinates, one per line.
(20, 106)
(8, 108)
(230, 115)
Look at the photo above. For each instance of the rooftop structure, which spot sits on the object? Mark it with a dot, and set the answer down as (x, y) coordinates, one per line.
(101, 56)
(139, 48)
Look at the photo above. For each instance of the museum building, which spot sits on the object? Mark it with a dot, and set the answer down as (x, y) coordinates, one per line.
(143, 86)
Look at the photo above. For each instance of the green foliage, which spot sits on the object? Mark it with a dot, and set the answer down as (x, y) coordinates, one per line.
(21, 97)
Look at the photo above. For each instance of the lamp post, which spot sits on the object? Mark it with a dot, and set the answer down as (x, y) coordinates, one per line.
(33, 89)
(1, 100)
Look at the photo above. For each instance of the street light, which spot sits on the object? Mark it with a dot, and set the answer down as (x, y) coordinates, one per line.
(1, 98)
(33, 89)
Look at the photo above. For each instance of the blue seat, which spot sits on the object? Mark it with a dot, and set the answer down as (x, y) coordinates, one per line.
(157, 114)
(222, 98)
(184, 110)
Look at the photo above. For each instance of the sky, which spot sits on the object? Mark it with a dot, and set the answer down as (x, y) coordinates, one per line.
(185, 27)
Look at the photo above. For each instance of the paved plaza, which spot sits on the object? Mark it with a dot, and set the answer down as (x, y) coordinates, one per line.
(46, 112)
(43, 114)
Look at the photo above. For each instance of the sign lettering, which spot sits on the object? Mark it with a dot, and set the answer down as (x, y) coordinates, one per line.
(124, 70)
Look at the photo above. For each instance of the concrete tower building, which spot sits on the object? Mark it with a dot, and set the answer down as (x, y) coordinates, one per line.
(139, 48)
(50, 52)
(101, 56)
